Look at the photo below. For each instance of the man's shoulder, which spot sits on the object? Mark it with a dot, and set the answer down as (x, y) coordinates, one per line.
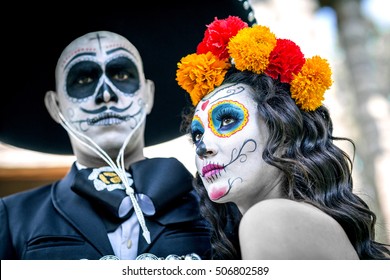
(29, 195)
(25, 206)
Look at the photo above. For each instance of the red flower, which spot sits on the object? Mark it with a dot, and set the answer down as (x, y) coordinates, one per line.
(218, 34)
(285, 60)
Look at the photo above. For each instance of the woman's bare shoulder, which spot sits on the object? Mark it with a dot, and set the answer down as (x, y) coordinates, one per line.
(286, 229)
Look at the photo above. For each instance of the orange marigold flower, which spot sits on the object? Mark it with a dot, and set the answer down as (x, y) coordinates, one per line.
(309, 85)
(199, 74)
(251, 48)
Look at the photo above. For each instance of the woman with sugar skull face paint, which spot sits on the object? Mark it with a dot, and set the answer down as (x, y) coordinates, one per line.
(228, 135)
(263, 141)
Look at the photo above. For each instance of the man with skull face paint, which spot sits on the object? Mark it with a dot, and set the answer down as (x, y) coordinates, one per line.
(114, 203)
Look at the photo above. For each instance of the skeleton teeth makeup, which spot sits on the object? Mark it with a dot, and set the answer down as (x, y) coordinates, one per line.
(211, 170)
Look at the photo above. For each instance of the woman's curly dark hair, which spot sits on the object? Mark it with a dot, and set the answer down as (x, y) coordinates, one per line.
(315, 170)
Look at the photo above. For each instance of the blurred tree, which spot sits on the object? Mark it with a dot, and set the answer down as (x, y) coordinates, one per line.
(355, 34)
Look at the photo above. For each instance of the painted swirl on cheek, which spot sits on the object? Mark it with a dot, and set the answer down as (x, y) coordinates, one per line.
(217, 192)
(237, 155)
(227, 117)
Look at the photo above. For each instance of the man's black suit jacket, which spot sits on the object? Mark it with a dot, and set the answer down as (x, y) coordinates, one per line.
(53, 222)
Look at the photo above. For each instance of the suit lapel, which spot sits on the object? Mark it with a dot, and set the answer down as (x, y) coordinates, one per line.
(155, 230)
(165, 181)
(80, 214)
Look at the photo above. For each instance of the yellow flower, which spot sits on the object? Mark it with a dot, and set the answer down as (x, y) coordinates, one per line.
(251, 48)
(309, 85)
(199, 74)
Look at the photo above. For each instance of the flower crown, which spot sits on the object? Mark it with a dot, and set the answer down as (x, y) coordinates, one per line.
(230, 42)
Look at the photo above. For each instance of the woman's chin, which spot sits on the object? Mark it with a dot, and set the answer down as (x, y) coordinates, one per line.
(218, 193)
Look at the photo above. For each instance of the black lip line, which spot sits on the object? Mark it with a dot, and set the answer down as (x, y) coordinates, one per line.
(91, 122)
(107, 116)
(105, 108)
(214, 177)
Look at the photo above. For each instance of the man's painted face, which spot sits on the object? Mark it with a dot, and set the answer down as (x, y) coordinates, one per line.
(100, 82)
(229, 137)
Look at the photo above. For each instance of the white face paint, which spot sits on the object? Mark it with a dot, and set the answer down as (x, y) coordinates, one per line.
(102, 90)
(229, 137)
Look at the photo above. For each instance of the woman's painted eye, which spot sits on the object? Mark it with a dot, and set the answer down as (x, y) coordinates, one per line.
(227, 117)
(197, 136)
(227, 121)
(197, 129)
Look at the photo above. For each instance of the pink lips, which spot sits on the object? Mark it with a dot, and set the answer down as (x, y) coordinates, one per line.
(211, 170)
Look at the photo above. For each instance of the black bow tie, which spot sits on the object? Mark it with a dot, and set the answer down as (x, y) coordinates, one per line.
(106, 191)
(157, 184)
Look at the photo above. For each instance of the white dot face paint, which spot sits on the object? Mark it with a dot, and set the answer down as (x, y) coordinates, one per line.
(230, 137)
(101, 84)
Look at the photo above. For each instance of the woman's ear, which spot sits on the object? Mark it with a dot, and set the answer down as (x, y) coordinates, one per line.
(51, 103)
(149, 95)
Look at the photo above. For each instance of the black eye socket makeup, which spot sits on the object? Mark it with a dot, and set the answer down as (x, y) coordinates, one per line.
(124, 74)
(82, 79)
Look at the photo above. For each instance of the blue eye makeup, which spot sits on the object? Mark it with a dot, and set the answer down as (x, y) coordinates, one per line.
(227, 117)
(197, 129)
